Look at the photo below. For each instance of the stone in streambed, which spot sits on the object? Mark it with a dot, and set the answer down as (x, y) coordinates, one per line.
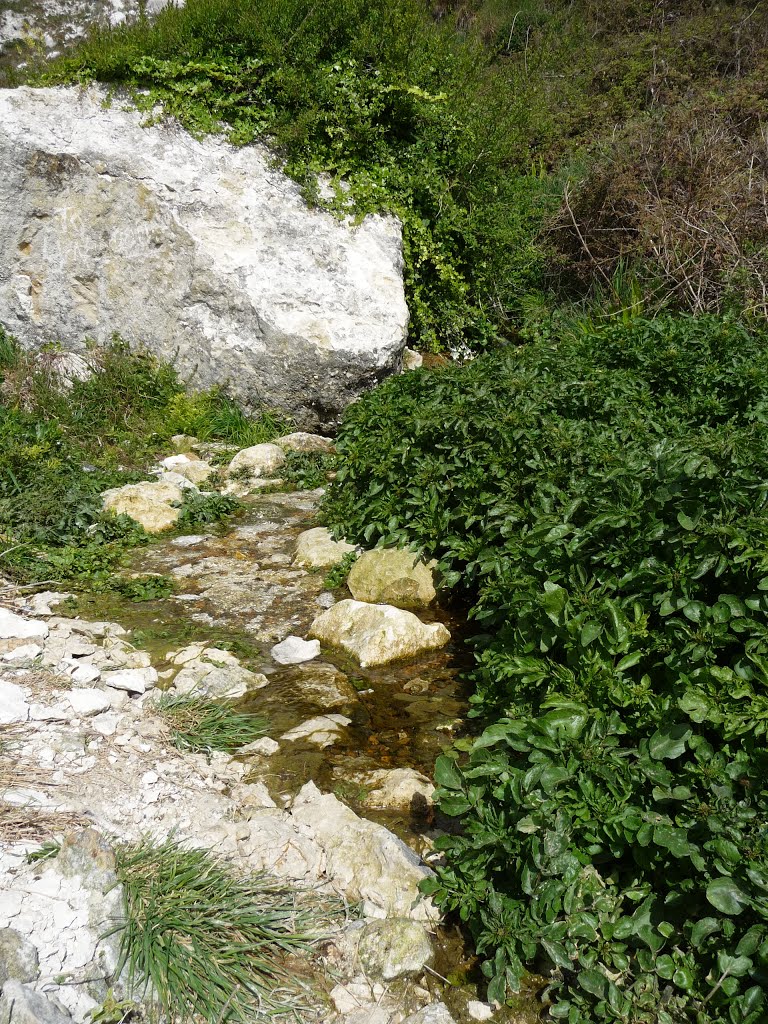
(376, 634)
(190, 467)
(391, 576)
(294, 651)
(155, 506)
(301, 441)
(316, 549)
(394, 948)
(364, 860)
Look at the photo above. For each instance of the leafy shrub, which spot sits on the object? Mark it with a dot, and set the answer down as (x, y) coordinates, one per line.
(604, 503)
(307, 470)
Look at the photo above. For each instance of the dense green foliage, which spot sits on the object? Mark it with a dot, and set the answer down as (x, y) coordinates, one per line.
(64, 442)
(604, 502)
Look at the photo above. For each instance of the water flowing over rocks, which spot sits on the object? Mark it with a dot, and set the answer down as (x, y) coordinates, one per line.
(197, 250)
(94, 758)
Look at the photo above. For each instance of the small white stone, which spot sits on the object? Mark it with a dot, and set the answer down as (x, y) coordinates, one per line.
(88, 702)
(106, 724)
(294, 651)
(85, 674)
(13, 703)
(478, 1010)
(264, 746)
(134, 680)
(15, 627)
(27, 652)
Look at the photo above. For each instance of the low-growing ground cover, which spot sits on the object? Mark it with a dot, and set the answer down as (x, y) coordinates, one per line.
(63, 442)
(602, 500)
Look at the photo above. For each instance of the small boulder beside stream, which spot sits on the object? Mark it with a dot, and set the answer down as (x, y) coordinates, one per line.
(391, 576)
(376, 634)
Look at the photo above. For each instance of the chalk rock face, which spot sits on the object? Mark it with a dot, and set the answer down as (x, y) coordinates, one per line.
(391, 576)
(376, 634)
(198, 251)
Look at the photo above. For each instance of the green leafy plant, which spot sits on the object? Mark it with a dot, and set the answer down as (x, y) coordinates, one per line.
(201, 724)
(214, 946)
(337, 575)
(602, 502)
(150, 587)
(306, 470)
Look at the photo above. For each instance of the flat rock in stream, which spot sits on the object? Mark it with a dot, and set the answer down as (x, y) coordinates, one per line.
(376, 634)
(364, 860)
(316, 549)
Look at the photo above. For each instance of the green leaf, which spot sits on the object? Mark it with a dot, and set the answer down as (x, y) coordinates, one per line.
(702, 929)
(726, 895)
(594, 982)
(447, 774)
(669, 742)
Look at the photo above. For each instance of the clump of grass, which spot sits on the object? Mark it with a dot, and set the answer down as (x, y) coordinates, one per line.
(200, 724)
(213, 946)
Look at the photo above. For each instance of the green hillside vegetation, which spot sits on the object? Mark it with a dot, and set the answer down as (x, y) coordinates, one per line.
(582, 187)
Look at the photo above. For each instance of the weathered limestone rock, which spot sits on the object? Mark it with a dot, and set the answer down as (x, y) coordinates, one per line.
(20, 1004)
(316, 549)
(364, 860)
(391, 576)
(198, 250)
(304, 442)
(323, 731)
(134, 680)
(260, 460)
(435, 1013)
(400, 789)
(16, 627)
(18, 957)
(153, 505)
(212, 672)
(322, 685)
(13, 703)
(393, 948)
(376, 634)
(197, 471)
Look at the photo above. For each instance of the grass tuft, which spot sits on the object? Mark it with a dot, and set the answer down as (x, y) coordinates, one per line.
(213, 946)
(199, 724)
